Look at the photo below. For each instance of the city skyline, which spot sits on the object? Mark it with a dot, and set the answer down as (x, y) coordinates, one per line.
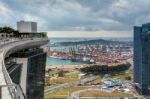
(100, 16)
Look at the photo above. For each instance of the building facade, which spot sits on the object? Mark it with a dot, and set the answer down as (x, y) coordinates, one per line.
(142, 58)
(32, 75)
(27, 27)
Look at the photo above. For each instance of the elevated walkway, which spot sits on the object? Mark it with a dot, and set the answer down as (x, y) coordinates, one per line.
(9, 90)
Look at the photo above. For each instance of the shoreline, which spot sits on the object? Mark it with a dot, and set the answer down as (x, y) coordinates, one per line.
(68, 66)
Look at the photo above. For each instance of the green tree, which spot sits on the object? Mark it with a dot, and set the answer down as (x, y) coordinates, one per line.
(128, 78)
(61, 73)
(6, 29)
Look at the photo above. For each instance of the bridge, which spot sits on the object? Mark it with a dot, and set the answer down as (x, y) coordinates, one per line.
(8, 89)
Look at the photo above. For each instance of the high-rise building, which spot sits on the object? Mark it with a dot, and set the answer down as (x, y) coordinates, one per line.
(142, 58)
(27, 27)
(30, 72)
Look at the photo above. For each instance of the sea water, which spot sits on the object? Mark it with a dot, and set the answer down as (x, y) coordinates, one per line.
(56, 61)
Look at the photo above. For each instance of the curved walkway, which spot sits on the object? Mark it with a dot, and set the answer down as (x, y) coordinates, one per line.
(8, 89)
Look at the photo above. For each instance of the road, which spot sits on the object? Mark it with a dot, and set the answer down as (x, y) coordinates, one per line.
(62, 86)
(76, 94)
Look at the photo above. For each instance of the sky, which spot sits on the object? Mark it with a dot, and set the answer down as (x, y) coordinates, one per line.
(77, 18)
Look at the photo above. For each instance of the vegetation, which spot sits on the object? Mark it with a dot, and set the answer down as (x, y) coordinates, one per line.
(10, 32)
(97, 81)
(63, 80)
(61, 73)
(63, 77)
(122, 76)
(95, 93)
(97, 41)
(43, 34)
(62, 94)
(6, 30)
(104, 69)
(59, 77)
(72, 74)
(52, 73)
(128, 78)
(48, 87)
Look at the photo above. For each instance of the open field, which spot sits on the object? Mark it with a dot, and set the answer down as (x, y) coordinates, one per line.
(51, 73)
(93, 93)
(62, 94)
(68, 77)
(61, 80)
(73, 74)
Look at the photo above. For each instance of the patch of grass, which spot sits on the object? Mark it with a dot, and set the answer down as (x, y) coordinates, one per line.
(94, 93)
(61, 80)
(56, 97)
(68, 78)
(62, 94)
(51, 73)
(50, 86)
(122, 76)
(99, 79)
(72, 75)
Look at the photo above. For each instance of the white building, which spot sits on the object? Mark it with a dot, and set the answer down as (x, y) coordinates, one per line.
(27, 27)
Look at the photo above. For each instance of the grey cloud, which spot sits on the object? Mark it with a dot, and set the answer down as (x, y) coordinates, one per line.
(79, 14)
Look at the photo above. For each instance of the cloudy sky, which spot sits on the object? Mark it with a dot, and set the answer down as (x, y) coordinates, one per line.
(87, 18)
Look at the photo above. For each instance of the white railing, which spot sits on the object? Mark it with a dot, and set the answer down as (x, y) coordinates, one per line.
(15, 90)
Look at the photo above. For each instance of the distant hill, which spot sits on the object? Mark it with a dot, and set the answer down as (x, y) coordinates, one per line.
(97, 41)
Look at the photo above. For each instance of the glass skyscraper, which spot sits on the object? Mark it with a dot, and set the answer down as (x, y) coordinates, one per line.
(30, 74)
(142, 58)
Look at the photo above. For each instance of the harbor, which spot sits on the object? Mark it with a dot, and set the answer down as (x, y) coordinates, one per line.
(73, 64)
(100, 54)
